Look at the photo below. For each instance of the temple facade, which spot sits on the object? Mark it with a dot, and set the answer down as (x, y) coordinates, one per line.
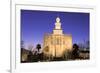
(57, 43)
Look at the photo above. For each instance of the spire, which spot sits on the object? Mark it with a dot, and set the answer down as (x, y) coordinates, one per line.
(58, 23)
(57, 29)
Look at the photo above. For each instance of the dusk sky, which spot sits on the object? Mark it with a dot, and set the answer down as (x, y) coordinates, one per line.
(34, 24)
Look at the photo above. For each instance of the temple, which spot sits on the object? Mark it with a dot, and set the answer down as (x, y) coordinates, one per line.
(57, 43)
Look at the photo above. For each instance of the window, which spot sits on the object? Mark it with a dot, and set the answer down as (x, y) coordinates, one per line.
(57, 41)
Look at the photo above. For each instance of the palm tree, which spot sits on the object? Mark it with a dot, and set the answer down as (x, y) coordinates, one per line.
(38, 47)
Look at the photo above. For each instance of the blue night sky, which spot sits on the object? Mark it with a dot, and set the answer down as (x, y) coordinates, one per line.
(34, 24)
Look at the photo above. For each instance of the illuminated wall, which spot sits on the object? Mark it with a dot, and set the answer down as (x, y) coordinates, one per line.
(57, 43)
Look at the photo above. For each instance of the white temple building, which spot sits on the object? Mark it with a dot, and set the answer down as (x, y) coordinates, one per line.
(57, 43)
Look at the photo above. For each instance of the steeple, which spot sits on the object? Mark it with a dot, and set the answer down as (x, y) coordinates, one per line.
(58, 23)
(57, 29)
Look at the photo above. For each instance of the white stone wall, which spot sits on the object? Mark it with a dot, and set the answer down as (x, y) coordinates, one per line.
(57, 44)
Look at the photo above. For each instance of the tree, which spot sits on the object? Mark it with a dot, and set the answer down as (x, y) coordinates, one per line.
(87, 44)
(75, 51)
(38, 47)
(30, 56)
(22, 44)
(30, 47)
(67, 55)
